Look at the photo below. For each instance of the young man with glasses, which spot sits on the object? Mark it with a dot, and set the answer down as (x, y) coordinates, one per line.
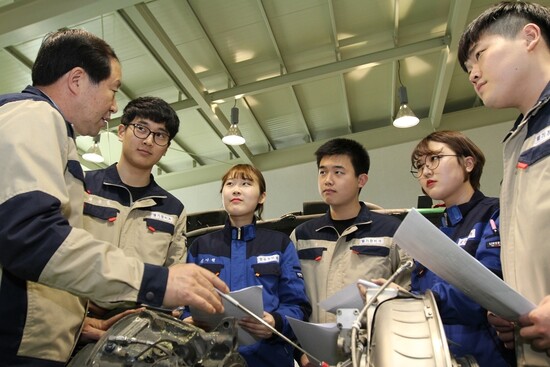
(124, 205)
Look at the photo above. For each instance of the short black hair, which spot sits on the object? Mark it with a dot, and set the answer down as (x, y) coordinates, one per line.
(340, 146)
(506, 18)
(66, 49)
(154, 109)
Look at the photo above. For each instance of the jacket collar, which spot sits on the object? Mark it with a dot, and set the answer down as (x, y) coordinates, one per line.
(542, 101)
(37, 92)
(454, 214)
(113, 178)
(363, 217)
(244, 233)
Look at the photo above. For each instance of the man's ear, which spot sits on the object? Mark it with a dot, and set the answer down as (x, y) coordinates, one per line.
(532, 34)
(121, 131)
(362, 180)
(75, 80)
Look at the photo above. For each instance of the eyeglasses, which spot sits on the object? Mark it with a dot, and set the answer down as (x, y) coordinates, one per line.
(143, 132)
(431, 162)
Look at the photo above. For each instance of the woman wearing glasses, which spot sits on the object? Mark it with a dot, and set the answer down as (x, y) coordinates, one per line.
(448, 166)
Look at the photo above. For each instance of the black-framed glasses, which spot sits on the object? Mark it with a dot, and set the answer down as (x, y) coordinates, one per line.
(143, 132)
(431, 162)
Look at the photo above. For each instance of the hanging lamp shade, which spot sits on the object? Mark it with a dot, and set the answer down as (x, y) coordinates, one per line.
(405, 116)
(233, 135)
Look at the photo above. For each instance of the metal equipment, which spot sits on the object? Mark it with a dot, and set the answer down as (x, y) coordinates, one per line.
(150, 338)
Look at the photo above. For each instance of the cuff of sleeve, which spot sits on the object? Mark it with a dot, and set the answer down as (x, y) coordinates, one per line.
(153, 285)
(278, 321)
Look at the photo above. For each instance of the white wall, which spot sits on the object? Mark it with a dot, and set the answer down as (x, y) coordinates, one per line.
(390, 183)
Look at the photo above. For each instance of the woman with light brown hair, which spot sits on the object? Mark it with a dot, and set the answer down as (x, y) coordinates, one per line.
(448, 167)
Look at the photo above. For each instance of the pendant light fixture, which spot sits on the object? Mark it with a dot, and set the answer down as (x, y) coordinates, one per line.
(405, 116)
(234, 136)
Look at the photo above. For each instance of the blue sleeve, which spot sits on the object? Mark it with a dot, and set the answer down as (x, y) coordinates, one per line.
(457, 308)
(293, 300)
(454, 306)
(32, 230)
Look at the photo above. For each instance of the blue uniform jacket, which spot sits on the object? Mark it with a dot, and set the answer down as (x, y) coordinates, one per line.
(465, 322)
(248, 256)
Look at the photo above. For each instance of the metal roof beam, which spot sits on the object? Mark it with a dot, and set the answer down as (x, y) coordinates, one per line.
(284, 70)
(458, 17)
(338, 67)
(215, 52)
(29, 19)
(338, 56)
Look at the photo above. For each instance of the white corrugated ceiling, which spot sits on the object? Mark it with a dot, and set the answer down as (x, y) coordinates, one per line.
(309, 70)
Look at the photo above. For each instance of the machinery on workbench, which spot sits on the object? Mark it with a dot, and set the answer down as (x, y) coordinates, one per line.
(394, 328)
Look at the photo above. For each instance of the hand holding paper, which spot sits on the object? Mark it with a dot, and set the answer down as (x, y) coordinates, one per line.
(250, 297)
(427, 244)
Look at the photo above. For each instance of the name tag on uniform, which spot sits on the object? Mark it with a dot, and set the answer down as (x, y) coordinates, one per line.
(208, 260)
(162, 217)
(372, 241)
(268, 259)
(542, 137)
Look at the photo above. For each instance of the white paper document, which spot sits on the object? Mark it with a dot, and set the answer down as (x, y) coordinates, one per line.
(431, 247)
(320, 340)
(347, 297)
(250, 297)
